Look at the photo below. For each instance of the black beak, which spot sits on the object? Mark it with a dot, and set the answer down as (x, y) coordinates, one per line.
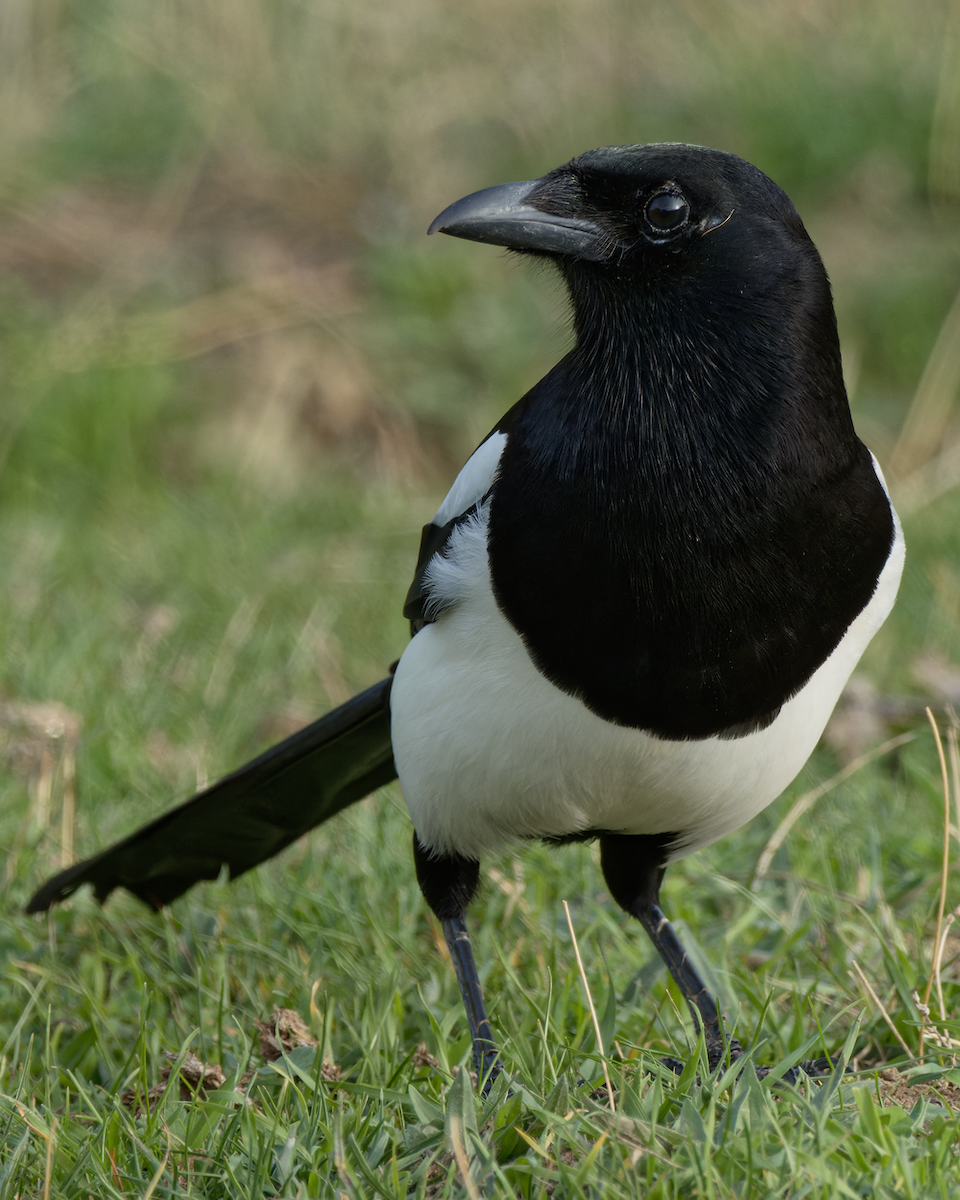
(500, 216)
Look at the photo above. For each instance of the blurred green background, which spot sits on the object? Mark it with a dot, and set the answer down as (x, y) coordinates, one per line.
(236, 379)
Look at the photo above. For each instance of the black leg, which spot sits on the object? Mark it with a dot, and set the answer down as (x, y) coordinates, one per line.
(449, 883)
(633, 866)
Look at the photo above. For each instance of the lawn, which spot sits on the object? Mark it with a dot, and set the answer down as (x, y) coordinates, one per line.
(237, 379)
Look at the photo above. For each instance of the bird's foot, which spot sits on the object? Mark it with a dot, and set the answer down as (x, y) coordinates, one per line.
(721, 1049)
(813, 1068)
(487, 1065)
(818, 1068)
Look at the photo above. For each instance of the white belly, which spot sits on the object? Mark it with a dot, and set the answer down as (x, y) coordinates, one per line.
(488, 751)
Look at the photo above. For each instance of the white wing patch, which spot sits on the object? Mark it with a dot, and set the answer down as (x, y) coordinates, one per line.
(474, 480)
(453, 575)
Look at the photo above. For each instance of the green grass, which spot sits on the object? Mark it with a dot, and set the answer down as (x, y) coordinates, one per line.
(236, 380)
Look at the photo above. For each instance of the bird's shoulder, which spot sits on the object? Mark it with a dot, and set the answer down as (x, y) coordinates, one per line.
(469, 491)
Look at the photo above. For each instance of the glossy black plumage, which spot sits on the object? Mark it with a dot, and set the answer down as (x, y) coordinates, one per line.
(674, 546)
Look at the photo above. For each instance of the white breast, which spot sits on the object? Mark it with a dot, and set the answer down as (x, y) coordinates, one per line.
(488, 751)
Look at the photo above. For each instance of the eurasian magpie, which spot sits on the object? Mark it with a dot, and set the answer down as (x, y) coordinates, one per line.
(635, 609)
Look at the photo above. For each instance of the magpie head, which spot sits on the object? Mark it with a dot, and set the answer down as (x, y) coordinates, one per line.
(702, 313)
(623, 206)
(674, 248)
(659, 220)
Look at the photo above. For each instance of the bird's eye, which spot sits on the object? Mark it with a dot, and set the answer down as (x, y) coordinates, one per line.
(667, 212)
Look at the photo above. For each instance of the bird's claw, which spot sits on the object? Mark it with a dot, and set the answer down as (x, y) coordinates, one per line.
(813, 1068)
(486, 1068)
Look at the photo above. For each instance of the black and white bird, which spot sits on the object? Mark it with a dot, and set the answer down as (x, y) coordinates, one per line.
(637, 606)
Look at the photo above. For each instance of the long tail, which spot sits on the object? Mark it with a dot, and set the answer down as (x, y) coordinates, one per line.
(250, 815)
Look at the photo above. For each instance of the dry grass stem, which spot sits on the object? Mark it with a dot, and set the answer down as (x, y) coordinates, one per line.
(512, 889)
(954, 755)
(68, 806)
(944, 170)
(805, 802)
(44, 789)
(158, 1174)
(48, 1169)
(932, 406)
(937, 962)
(929, 482)
(39, 741)
(880, 1008)
(234, 638)
(945, 860)
(593, 1011)
(943, 1039)
(460, 1155)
